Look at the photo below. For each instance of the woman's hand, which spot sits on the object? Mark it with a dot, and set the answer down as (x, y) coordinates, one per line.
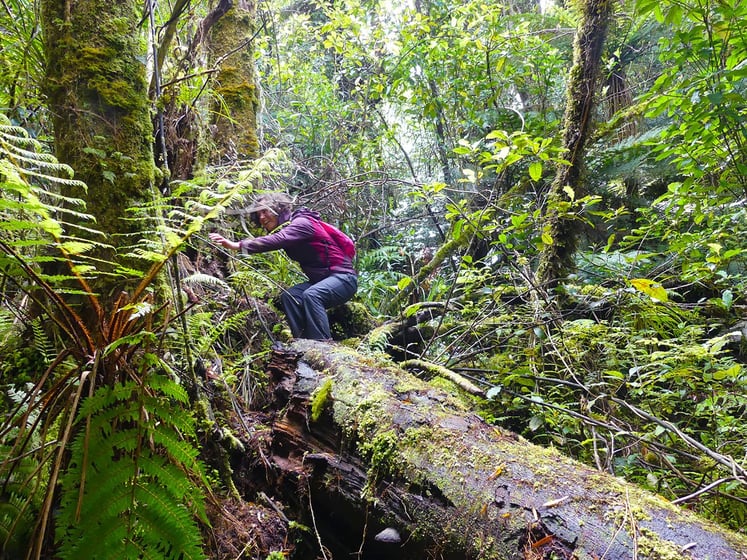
(227, 243)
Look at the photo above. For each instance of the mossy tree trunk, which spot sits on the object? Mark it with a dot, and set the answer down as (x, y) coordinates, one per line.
(98, 96)
(230, 50)
(556, 259)
(360, 447)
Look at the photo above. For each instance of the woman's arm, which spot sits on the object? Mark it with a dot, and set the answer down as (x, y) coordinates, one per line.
(297, 231)
(300, 229)
(227, 243)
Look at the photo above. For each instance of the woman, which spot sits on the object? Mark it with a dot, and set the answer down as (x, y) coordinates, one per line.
(332, 280)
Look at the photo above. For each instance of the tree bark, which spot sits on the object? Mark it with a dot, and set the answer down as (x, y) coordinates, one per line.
(556, 258)
(364, 448)
(98, 96)
(230, 50)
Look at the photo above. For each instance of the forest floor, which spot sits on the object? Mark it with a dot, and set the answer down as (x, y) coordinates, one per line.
(244, 530)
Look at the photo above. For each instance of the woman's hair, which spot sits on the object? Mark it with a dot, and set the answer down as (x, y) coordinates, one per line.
(277, 202)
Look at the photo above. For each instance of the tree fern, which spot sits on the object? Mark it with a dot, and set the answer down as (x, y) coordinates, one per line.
(111, 441)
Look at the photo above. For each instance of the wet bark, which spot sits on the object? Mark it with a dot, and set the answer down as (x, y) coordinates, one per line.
(367, 450)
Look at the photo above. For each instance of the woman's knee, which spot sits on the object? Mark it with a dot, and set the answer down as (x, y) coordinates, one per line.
(311, 296)
(288, 299)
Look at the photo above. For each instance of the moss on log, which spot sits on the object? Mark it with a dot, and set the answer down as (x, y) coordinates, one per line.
(388, 450)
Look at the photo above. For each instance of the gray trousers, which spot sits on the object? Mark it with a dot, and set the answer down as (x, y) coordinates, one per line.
(306, 304)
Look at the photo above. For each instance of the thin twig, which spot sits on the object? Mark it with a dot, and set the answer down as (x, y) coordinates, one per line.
(703, 490)
(313, 522)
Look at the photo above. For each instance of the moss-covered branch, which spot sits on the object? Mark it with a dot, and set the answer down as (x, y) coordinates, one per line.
(439, 370)
(444, 252)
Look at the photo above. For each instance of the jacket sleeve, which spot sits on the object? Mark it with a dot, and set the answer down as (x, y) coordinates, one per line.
(297, 231)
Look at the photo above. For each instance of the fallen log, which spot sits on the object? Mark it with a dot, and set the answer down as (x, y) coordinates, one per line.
(387, 466)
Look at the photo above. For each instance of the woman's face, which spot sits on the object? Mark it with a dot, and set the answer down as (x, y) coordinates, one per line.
(267, 219)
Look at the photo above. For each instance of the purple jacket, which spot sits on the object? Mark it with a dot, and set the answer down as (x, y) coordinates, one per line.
(306, 242)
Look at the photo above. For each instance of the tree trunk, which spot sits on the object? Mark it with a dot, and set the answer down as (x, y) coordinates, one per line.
(98, 96)
(387, 466)
(231, 52)
(556, 258)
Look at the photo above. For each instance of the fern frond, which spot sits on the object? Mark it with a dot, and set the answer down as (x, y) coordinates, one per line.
(16, 145)
(378, 339)
(164, 522)
(381, 258)
(62, 200)
(16, 521)
(111, 534)
(162, 384)
(8, 328)
(205, 280)
(129, 491)
(27, 156)
(30, 231)
(180, 452)
(19, 500)
(229, 323)
(42, 343)
(15, 135)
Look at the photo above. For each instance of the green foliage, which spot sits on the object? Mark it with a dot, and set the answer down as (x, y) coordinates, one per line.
(19, 501)
(699, 220)
(125, 473)
(381, 270)
(21, 358)
(21, 62)
(32, 210)
(641, 344)
(705, 85)
(584, 390)
(206, 334)
(320, 398)
(128, 490)
(16, 522)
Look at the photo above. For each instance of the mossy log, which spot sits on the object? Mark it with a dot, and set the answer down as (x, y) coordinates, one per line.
(364, 447)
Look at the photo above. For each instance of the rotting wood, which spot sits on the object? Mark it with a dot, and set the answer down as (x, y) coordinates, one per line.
(391, 451)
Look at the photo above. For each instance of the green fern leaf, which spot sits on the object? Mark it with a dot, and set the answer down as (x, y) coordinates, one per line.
(129, 491)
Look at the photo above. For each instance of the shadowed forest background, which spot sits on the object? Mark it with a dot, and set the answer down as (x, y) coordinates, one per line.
(549, 206)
